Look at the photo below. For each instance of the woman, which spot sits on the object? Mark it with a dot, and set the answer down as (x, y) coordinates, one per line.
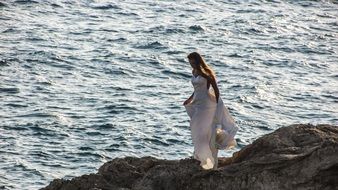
(212, 127)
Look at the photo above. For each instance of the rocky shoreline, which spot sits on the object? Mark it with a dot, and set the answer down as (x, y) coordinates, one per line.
(300, 156)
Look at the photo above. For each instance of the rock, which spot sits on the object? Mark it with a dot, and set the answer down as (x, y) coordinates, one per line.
(301, 156)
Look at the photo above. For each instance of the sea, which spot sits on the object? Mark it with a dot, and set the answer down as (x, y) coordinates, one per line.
(86, 81)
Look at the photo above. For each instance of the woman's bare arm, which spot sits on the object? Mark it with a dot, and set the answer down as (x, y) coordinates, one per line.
(189, 99)
(213, 84)
(191, 96)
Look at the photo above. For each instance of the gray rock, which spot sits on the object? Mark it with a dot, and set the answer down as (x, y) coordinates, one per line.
(301, 156)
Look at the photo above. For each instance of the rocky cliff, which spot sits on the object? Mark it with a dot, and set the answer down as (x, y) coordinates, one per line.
(293, 157)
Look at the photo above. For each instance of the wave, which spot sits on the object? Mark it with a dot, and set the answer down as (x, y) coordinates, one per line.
(105, 6)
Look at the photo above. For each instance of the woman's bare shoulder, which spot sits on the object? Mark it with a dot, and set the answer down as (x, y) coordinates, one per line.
(205, 76)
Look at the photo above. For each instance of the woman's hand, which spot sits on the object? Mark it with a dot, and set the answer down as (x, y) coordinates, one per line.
(187, 101)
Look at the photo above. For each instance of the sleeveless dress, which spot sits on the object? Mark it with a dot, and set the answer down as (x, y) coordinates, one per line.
(212, 127)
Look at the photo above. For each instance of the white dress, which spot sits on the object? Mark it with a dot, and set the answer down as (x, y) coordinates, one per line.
(212, 127)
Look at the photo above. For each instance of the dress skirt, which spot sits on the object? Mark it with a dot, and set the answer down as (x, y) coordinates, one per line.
(212, 129)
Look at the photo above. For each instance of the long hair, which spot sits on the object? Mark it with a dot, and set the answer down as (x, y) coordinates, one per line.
(201, 65)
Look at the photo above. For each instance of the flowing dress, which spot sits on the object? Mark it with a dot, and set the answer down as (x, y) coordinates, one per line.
(212, 127)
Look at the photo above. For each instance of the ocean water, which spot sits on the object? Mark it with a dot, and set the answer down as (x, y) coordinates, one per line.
(83, 81)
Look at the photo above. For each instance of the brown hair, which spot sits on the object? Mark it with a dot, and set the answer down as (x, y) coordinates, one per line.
(201, 65)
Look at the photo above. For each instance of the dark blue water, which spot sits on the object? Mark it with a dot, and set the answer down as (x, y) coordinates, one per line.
(82, 82)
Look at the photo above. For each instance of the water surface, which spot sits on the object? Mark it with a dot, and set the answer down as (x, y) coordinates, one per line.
(82, 82)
